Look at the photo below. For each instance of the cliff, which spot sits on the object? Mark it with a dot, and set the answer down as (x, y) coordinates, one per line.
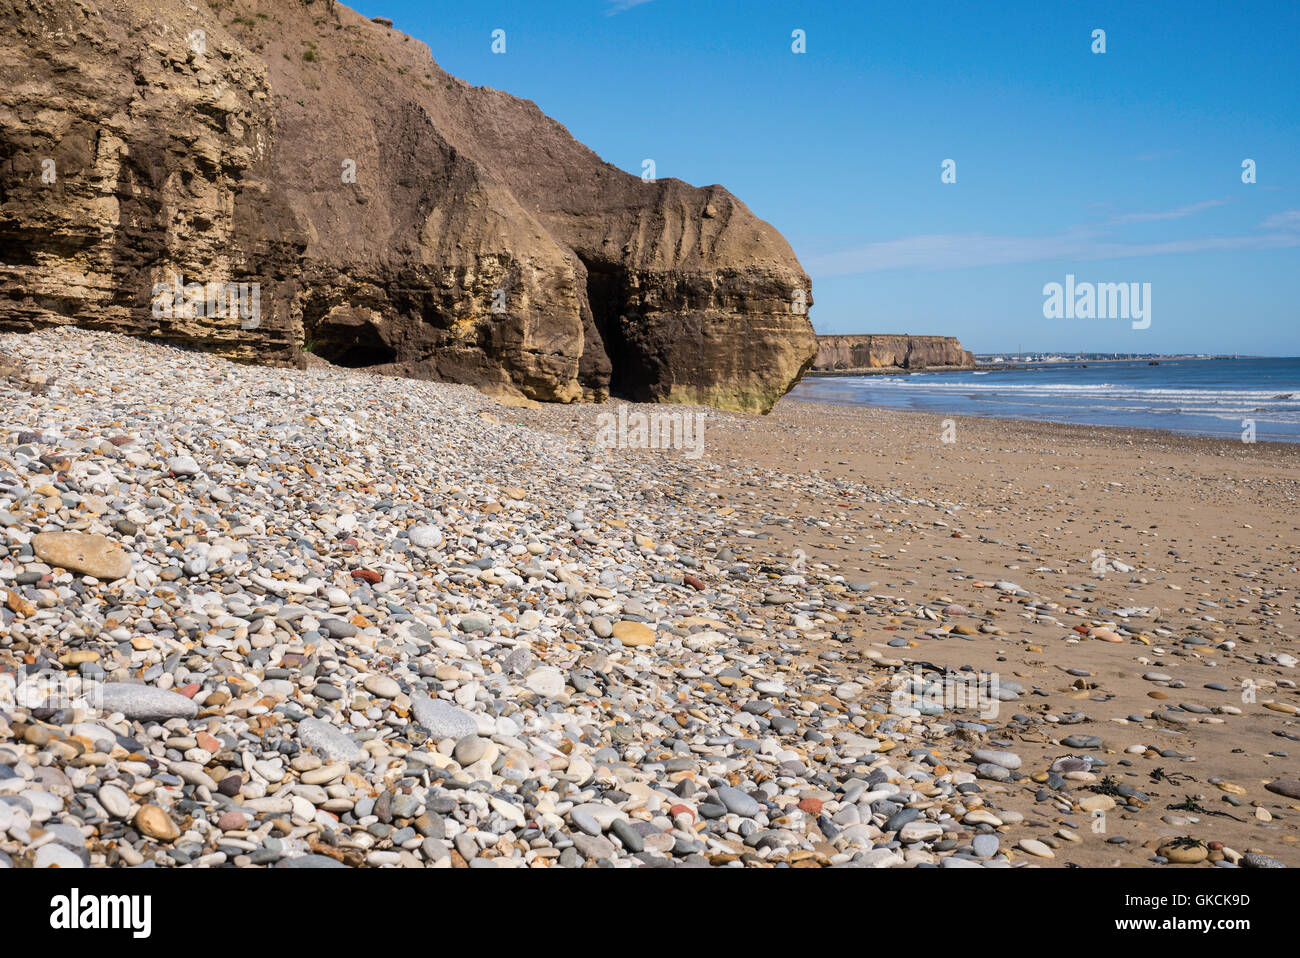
(260, 179)
(839, 353)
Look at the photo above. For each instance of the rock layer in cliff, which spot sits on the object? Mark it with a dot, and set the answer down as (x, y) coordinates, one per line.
(165, 164)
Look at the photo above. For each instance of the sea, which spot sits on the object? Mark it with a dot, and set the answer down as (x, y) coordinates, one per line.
(1197, 397)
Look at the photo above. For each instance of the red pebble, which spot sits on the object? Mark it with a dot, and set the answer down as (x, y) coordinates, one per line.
(366, 575)
(681, 810)
(190, 690)
(812, 806)
(693, 582)
(232, 821)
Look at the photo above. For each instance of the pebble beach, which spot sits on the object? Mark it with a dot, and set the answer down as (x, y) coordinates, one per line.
(260, 617)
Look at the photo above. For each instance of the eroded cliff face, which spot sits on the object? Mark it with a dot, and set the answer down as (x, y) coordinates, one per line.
(836, 353)
(127, 159)
(390, 216)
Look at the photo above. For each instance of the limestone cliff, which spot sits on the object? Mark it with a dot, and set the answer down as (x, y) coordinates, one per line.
(261, 178)
(839, 353)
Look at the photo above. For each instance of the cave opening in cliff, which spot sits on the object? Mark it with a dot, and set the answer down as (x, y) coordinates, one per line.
(345, 337)
(364, 355)
(355, 351)
(607, 293)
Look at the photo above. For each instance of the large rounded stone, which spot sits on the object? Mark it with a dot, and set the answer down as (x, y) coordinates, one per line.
(426, 537)
(83, 553)
(329, 742)
(442, 719)
(633, 633)
(154, 822)
(1289, 787)
(144, 703)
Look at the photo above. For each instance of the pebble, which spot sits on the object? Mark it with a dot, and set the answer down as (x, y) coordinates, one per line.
(382, 685)
(594, 846)
(1257, 860)
(154, 822)
(114, 800)
(425, 536)
(330, 742)
(1289, 787)
(985, 846)
(1183, 854)
(183, 466)
(546, 681)
(919, 831)
(83, 553)
(737, 802)
(442, 719)
(54, 855)
(470, 749)
(144, 702)
(1034, 847)
(633, 633)
(1007, 760)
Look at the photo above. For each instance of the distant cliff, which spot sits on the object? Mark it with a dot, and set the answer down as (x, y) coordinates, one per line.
(842, 353)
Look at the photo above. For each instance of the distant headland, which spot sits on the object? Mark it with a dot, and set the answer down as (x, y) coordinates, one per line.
(876, 353)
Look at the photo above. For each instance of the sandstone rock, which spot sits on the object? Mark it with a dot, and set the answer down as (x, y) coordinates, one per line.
(1183, 854)
(83, 553)
(155, 823)
(633, 633)
(363, 207)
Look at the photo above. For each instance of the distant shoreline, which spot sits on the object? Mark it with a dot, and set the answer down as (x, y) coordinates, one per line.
(985, 366)
(887, 371)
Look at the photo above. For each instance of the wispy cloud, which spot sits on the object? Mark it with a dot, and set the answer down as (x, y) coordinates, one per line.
(618, 6)
(941, 251)
(1179, 213)
(1286, 220)
(1153, 156)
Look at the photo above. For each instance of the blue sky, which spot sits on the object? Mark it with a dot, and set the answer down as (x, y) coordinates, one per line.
(1116, 167)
